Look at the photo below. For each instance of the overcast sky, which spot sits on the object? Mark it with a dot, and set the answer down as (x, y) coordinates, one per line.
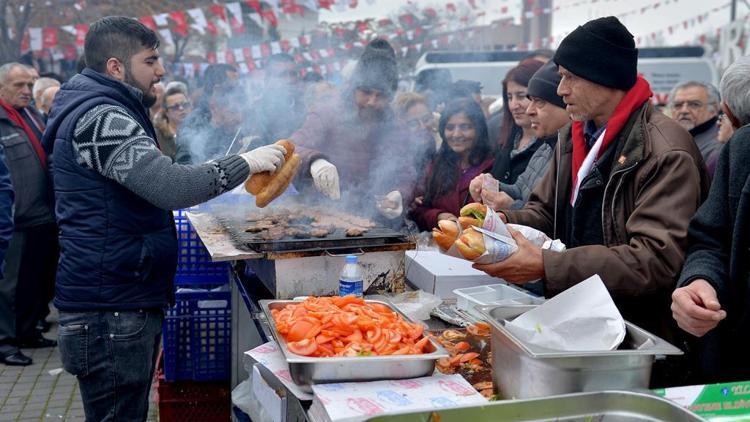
(575, 12)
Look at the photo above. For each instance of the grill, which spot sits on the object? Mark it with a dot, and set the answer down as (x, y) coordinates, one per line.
(336, 240)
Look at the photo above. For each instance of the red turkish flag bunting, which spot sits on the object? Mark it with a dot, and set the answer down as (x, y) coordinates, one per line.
(81, 30)
(180, 22)
(255, 5)
(268, 15)
(49, 37)
(325, 4)
(211, 57)
(148, 21)
(218, 11)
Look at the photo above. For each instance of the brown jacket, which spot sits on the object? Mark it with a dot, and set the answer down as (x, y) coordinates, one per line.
(655, 186)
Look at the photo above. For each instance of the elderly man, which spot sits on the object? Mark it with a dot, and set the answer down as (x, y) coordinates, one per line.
(40, 86)
(695, 106)
(359, 138)
(32, 255)
(622, 186)
(711, 301)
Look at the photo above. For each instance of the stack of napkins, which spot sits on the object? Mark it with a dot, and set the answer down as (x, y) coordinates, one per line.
(358, 401)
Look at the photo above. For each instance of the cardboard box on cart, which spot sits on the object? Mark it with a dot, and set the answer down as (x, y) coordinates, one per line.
(440, 274)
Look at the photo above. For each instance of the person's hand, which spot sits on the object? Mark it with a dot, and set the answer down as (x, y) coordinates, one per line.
(266, 158)
(525, 265)
(391, 205)
(325, 178)
(418, 201)
(696, 308)
(497, 200)
(447, 216)
(475, 188)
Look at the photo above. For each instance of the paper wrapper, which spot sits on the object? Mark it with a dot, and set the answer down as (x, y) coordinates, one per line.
(582, 318)
(498, 242)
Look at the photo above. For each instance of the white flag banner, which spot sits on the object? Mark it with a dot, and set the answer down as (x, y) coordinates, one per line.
(239, 56)
(70, 29)
(35, 39)
(257, 19)
(199, 20)
(161, 20)
(255, 51)
(166, 35)
(275, 47)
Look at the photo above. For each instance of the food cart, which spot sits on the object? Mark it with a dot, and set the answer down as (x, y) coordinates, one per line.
(572, 387)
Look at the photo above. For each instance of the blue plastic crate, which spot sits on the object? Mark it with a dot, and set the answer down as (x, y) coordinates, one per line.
(194, 264)
(197, 336)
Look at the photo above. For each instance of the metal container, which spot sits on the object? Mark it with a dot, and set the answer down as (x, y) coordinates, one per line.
(522, 370)
(605, 406)
(306, 371)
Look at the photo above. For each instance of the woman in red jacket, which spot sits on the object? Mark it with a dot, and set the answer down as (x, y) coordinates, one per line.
(464, 154)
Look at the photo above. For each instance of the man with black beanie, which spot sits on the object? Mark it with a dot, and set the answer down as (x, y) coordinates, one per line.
(359, 139)
(623, 184)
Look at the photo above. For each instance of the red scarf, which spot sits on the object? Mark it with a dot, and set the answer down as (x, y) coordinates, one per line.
(633, 99)
(16, 118)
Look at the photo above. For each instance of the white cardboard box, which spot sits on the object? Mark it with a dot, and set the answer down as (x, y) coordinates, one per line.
(440, 274)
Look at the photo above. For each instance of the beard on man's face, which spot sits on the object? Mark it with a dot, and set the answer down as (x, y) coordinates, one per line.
(148, 99)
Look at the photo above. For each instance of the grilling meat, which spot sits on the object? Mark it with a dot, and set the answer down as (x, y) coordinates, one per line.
(311, 222)
(355, 232)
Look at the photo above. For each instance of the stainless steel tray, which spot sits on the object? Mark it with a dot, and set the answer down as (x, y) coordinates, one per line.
(522, 370)
(306, 371)
(605, 406)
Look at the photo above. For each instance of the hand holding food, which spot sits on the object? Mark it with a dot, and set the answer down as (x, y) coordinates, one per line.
(325, 178)
(267, 186)
(266, 158)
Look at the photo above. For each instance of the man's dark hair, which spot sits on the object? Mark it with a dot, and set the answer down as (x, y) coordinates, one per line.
(216, 74)
(119, 37)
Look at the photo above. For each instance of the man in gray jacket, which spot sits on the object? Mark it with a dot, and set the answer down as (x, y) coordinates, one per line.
(32, 253)
(695, 106)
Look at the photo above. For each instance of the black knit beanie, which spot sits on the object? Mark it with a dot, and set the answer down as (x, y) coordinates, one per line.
(601, 51)
(376, 68)
(544, 85)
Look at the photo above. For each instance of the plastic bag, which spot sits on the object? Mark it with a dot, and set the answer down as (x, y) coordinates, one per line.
(416, 304)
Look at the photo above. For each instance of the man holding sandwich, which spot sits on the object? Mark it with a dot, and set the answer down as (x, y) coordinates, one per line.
(622, 186)
(114, 189)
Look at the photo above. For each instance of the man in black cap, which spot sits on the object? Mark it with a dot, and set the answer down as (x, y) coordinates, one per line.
(623, 184)
(356, 145)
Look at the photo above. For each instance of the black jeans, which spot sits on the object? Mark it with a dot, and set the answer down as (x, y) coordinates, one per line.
(113, 355)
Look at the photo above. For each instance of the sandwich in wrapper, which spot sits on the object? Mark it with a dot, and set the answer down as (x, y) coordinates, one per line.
(492, 242)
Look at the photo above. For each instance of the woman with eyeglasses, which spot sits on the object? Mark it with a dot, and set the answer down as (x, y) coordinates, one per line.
(175, 106)
(464, 154)
(412, 110)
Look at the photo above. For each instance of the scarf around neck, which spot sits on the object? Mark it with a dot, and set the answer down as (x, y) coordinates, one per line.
(583, 156)
(16, 118)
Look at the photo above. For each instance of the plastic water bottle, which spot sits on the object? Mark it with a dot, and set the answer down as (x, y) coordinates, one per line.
(350, 280)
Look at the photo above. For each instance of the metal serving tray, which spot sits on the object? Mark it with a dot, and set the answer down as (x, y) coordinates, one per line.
(306, 371)
(605, 406)
(522, 370)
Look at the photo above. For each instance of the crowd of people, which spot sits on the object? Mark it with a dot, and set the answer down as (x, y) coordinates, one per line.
(90, 169)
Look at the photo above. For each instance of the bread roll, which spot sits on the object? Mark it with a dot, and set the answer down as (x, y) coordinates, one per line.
(471, 244)
(445, 234)
(258, 181)
(279, 182)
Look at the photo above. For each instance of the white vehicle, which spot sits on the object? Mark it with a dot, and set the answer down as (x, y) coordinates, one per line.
(663, 67)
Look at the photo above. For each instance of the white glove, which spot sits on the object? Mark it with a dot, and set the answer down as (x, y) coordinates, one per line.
(391, 206)
(266, 158)
(326, 178)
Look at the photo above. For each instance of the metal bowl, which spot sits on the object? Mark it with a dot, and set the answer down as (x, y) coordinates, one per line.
(306, 371)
